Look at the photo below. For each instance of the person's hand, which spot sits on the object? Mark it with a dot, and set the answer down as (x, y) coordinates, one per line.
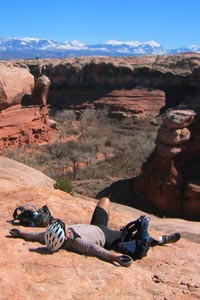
(124, 260)
(15, 233)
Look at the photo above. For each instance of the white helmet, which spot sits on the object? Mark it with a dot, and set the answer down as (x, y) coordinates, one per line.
(55, 235)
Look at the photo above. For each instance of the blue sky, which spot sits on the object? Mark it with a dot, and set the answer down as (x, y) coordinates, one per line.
(171, 23)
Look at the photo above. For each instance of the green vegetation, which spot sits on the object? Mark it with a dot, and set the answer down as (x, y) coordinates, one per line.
(63, 184)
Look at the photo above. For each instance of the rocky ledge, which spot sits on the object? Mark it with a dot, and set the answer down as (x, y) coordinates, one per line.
(28, 271)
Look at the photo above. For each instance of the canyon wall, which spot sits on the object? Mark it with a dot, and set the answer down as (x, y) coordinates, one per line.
(134, 87)
(81, 81)
(143, 87)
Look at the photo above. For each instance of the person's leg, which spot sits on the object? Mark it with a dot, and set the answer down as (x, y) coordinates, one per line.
(142, 232)
(166, 239)
(100, 218)
(101, 213)
(104, 203)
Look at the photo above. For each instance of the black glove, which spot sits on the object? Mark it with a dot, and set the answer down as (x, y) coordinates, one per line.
(15, 233)
(124, 260)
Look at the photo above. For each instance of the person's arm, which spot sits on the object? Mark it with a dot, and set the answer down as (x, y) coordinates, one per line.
(28, 236)
(81, 246)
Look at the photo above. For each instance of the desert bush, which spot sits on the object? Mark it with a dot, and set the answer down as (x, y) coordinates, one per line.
(56, 149)
(100, 148)
(41, 159)
(65, 117)
(63, 184)
(77, 154)
(65, 120)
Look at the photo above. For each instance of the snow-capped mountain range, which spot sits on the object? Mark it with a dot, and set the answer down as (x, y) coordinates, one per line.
(22, 48)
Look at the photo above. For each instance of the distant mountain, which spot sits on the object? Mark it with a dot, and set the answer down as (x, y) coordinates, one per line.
(22, 48)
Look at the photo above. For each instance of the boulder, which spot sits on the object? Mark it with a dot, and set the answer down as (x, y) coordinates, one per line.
(26, 122)
(40, 90)
(14, 83)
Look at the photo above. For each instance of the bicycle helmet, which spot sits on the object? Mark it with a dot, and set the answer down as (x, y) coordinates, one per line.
(55, 235)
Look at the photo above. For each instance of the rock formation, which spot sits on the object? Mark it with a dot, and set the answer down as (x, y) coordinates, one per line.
(28, 271)
(14, 83)
(139, 103)
(81, 81)
(123, 84)
(40, 91)
(133, 87)
(22, 122)
(170, 179)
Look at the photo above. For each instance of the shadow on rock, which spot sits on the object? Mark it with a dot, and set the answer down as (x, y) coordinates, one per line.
(122, 192)
(40, 250)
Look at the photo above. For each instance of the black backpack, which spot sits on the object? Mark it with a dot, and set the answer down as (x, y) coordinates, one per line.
(30, 216)
(137, 249)
(130, 244)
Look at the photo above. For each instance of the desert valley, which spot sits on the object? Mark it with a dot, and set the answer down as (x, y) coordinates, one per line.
(123, 127)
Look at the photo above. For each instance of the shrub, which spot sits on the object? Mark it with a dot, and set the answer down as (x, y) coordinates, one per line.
(63, 184)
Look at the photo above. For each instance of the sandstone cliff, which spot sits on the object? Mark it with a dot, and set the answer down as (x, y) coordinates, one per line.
(77, 81)
(170, 177)
(138, 87)
(119, 83)
(134, 87)
(23, 108)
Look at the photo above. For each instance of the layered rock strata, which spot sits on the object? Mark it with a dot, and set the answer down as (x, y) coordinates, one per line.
(140, 103)
(82, 80)
(170, 179)
(24, 112)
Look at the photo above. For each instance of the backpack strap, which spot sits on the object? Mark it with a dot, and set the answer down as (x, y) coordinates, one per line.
(127, 231)
(73, 235)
